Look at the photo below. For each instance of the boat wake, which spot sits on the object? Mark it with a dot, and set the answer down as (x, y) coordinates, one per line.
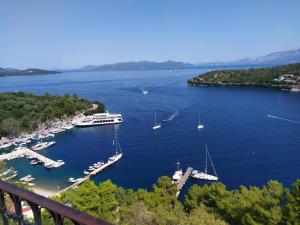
(281, 118)
(175, 113)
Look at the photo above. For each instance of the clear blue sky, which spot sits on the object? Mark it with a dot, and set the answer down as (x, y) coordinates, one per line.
(70, 34)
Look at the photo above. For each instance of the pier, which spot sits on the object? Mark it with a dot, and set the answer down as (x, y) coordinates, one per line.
(94, 172)
(183, 179)
(23, 152)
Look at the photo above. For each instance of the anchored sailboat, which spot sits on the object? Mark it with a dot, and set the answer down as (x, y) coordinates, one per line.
(118, 155)
(200, 126)
(204, 175)
(156, 126)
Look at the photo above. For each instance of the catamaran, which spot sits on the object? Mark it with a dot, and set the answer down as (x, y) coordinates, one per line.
(156, 125)
(204, 175)
(200, 126)
(178, 173)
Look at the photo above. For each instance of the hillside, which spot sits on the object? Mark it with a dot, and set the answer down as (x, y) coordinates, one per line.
(283, 77)
(21, 111)
(30, 71)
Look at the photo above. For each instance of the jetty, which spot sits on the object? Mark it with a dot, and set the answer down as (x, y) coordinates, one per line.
(23, 152)
(110, 162)
(183, 179)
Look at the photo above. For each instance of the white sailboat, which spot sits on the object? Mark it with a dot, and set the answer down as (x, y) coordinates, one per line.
(156, 126)
(200, 126)
(204, 175)
(118, 155)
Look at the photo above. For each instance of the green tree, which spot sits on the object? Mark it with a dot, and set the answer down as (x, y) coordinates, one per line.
(292, 206)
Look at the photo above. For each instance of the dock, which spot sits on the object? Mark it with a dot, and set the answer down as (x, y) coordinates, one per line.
(23, 152)
(94, 172)
(183, 179)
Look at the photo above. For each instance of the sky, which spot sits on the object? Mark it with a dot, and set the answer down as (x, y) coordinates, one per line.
(58, 34)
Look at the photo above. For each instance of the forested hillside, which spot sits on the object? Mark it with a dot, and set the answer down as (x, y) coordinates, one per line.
(283, 77)
(210, 204)
(21, 111)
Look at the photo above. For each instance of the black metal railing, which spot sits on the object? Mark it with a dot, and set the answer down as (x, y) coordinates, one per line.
(58, 211)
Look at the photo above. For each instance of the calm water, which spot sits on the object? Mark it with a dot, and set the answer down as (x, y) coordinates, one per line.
(247, 147)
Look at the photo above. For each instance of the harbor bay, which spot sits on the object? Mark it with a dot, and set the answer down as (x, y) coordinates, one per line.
(247, 146)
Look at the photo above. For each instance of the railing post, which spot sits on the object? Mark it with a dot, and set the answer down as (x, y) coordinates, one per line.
(36, 210)
(58, 219)
(3, 208)
(18, 208)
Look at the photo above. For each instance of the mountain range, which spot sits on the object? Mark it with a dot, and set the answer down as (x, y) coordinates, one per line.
(276, 58)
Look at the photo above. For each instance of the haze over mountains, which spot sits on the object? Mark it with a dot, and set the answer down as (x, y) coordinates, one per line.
(276, 58)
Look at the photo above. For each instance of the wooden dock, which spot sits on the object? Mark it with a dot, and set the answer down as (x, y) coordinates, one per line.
(183, 179)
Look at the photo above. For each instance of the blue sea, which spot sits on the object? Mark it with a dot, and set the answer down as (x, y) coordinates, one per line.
(246, 146)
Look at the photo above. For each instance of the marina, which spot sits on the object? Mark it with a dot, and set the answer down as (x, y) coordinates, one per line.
(26, 152)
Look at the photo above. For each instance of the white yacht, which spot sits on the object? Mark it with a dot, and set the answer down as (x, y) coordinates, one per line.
(42, 145)
(99, 119)
(200, 125)
(145, 92)
(178, 173)
(72, 180)
(156, 125)
(5, 145)
(204, 175)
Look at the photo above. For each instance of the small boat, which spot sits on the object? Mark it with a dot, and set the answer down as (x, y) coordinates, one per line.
(42, 145)
(25, 178)
(78, 179)
(145, 92)
(91, 168)
(5, 145)
(86, 172)
(177, 174)
(71, 180)
(34, 162)
(200, 126)
(156, 126)
(204, 175)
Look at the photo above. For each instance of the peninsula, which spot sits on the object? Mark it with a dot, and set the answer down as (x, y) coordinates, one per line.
(285, 77)
(30, 71)
(26, 112)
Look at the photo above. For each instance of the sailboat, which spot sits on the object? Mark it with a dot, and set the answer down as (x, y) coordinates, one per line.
(118, 155)
(156, 126)
(204, 175)
(200, 126)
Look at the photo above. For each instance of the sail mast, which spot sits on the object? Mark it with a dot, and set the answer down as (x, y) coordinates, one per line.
(206, 158)
(212, 164)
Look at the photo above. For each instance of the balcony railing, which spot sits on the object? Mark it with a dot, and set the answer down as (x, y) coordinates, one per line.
(58, 211)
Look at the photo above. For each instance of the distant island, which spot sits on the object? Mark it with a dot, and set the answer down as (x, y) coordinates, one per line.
(30, 71)
(283, 77)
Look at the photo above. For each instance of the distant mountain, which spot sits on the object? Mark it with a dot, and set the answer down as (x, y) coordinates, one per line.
(276, 58)
(30, 71)
(140, 65)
